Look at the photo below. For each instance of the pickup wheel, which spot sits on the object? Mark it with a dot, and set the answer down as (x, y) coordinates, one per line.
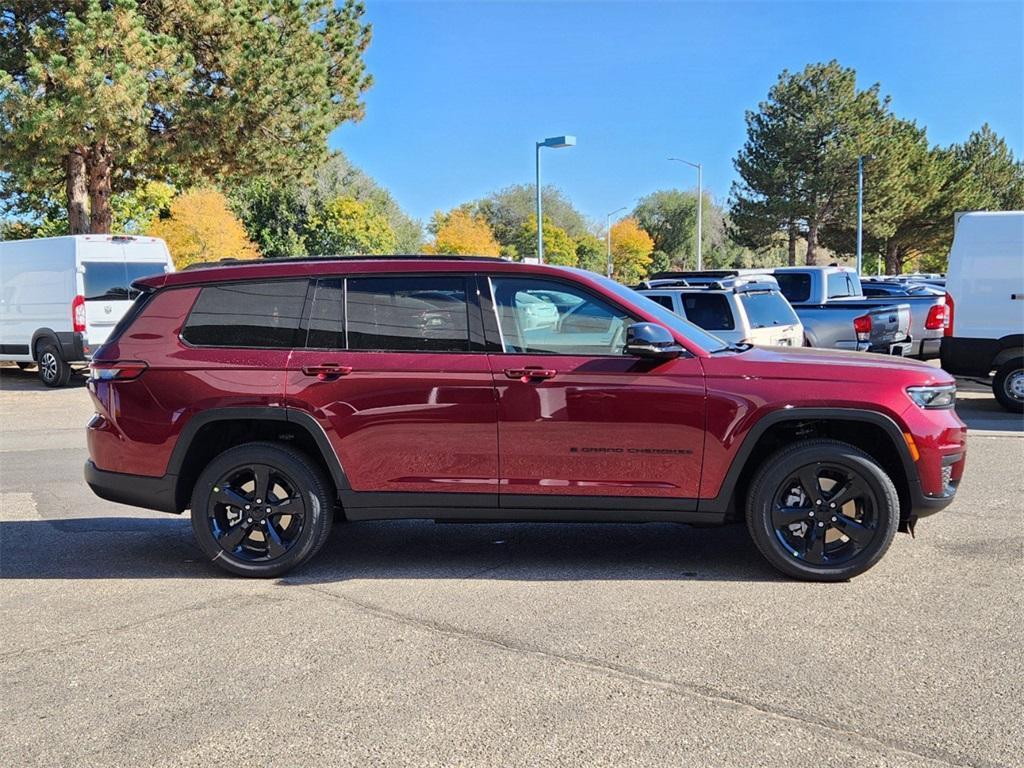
(822, 511)
(261, 509)
(1008, 385)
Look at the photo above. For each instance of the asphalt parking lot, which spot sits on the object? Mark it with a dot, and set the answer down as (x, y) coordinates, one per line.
(410, 643)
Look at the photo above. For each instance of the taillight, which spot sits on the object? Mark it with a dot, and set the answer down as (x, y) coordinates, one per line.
(950, 314)
(78, 314)
(862, 327)
(937, 318)
(117, 370)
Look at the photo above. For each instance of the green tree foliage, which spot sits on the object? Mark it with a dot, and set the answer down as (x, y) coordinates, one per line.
(136, 211)
(591, 253)
(559, 247)
(96, 97)
(508, 210)
(800, 155)
(344, 226)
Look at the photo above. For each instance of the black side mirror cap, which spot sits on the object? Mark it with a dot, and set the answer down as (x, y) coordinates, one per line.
(651, 341)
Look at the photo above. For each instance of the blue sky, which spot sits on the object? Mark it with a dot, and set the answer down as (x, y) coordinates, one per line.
(463, 90)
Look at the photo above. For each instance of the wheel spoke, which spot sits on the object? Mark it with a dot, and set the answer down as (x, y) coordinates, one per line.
(261, 475)
(275, 547)
(808, 477)
(292, 506)
(849, 491)
(234, 535)
(229, 496)
(859, 533)
(814, 547)
(784, 516)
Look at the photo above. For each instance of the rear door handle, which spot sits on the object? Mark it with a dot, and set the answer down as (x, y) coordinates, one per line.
(530, 373)
(326, 371)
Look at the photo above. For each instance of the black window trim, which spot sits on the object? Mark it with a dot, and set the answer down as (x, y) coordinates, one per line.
(578, 286)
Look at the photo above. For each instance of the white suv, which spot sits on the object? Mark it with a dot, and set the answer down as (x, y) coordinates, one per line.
(749, 310)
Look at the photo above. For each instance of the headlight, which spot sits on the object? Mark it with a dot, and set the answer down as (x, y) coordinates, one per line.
(943, 396)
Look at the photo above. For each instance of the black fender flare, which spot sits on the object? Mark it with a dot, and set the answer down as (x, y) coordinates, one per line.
(47, 334)
(721, 502)
(266, 413)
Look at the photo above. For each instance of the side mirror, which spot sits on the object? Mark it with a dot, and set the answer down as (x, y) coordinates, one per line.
(651, 341)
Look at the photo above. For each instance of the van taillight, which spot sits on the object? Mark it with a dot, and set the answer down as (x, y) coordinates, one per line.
(117, 370)
(950, 314)
(937, 318)
(78, 314)
(862, 327)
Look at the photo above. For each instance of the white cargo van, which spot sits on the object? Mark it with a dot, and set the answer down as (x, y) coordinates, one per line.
(60, 297)
(985, 296)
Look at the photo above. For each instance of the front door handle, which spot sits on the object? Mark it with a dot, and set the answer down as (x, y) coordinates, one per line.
(327, 371)
(532, 372)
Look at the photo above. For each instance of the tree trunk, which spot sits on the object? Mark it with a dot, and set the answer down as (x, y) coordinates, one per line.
(812, 244)
(793, 234)
(77, 188)
(893, 259)
(100, 215)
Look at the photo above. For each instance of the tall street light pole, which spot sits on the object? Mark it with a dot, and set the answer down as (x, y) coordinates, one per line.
(609, 236)
(860, 209)
(700, 206)
(555, 142)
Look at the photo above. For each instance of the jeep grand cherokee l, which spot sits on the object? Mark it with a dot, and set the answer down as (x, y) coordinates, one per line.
(272, 397)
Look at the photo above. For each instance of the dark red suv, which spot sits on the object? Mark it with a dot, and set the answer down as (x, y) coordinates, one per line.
(271, 397)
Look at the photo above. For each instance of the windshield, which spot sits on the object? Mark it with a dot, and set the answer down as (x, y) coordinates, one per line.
(707, 341)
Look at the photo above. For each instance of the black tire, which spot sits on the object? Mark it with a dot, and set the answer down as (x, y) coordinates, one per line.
(24, 366)
(792, 529)
(1008, 385)
(244, 545)
(54, 370)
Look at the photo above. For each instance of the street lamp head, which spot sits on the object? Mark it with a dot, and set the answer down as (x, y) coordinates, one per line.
(557, 142)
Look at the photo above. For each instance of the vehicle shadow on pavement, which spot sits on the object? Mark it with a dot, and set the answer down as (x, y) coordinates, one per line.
(147, 548)
(14, 379)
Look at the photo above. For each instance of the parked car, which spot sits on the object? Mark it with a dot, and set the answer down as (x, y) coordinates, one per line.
(832, 315)
(271, 397)
(61, 296)
(740, 310)
(985, 293)
(928, 311)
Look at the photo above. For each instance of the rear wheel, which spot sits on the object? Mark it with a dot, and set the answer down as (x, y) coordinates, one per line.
(53, 369)
(261, 509)
(822, 511)
(1008, 385)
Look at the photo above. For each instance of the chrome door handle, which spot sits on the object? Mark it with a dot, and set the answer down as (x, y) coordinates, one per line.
(327, 371)
(530, 373)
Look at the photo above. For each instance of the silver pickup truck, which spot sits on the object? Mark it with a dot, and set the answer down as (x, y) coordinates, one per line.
(834, 312)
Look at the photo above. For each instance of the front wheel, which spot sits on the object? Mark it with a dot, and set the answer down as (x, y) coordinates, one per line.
(261, 509)
(822, 511)
(1008, 385)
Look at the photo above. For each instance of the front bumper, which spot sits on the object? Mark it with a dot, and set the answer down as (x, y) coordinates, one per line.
(134, 490)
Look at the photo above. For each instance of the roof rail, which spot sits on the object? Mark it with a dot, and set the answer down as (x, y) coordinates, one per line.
(232, 262)
(695, 273)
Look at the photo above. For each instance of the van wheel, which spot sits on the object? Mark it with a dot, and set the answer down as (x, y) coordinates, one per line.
(1008, 385)
(53, 369)
(822, 511)
(261, 509)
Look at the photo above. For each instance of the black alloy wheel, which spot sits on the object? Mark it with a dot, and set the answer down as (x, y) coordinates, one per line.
(261, 509)
(822, 510)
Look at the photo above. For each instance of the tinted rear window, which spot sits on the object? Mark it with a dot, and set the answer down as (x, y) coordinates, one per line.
(765, 310)
(112, 280)
(710, 311)
(795, 287)
(326, 325)
(408, 314)
(840, 285)
(665, 301)
(260, 314)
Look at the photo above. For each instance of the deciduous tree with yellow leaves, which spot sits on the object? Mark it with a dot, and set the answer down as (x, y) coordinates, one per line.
(631, 251)
(459, 232)
(201, 227)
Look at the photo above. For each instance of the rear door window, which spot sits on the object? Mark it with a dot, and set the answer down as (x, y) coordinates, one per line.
(263, 315)
(325, 328)
(408, 313)
(796, 287)
(112, 280)
(710, 311)
(663, 299)
(840, 285)
(767, 309)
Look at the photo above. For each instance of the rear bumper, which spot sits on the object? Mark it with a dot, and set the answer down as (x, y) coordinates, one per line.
(134, 490)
